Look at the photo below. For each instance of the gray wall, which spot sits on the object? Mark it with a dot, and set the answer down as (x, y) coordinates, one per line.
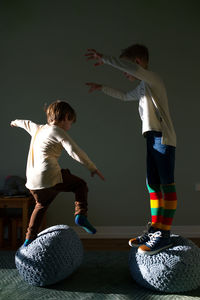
(42, 59)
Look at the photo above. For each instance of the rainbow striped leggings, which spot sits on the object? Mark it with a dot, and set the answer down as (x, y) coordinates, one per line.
(160, 180)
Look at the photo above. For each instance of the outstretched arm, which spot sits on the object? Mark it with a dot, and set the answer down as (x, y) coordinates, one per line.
(27, 125)
(115, 93)
(79, 155)
(124, 65)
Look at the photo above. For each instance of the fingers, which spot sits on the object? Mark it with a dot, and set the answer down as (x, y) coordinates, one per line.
(102, 177)
(93, 86)
(98, 63)
(93, 54)
(98, 173)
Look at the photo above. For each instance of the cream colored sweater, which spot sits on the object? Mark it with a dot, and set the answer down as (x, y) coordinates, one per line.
(47, 143)
(152, 97)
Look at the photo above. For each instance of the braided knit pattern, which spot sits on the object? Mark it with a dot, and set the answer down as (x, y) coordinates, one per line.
(176, 269)
(54, 255)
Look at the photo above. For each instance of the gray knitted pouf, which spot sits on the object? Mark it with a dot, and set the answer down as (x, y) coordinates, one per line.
(172, 270)
(55, 254)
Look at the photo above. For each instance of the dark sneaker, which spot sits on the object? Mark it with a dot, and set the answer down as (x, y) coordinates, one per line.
(142, 239)
(158, 241)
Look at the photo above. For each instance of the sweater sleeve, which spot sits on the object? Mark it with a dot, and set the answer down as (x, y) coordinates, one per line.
(76, 153)
(134, 69)
(129, 96)
(27, 125)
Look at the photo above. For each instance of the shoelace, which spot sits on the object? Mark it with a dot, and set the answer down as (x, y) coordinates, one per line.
(143, 236)
(153, 238)
(146, 233)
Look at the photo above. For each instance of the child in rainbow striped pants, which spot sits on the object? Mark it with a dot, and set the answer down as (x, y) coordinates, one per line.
(163, 199)
(157, 128)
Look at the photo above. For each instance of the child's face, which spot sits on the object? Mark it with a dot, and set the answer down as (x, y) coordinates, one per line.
(142, 62)
(138, 61)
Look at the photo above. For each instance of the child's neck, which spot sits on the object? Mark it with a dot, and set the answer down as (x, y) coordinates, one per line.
(58, 124)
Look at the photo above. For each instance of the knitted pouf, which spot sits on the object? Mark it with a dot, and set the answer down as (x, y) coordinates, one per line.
(55, 254)
(172, 270)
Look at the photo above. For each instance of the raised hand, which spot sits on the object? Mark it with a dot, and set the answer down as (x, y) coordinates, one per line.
(93, 54)
(97, 172)
(94, 87)
(12, 124)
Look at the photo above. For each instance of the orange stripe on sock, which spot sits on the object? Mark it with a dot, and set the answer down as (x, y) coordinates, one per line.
(170, 204)
(165, 227)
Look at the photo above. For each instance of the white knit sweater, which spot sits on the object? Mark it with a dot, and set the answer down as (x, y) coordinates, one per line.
(47, 143)
(152, 97)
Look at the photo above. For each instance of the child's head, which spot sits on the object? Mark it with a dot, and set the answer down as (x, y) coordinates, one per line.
(136, 53)
(60, 112)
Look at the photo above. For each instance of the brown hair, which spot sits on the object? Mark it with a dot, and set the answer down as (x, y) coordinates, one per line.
(136, 51)
(56, 112)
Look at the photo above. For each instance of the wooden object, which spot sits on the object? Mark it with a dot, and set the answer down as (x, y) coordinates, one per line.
(15, 223)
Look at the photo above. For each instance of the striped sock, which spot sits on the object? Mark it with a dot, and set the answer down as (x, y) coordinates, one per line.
(170, 204)
(156, 204)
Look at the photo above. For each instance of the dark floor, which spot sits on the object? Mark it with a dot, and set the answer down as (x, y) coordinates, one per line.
(115, 244)
(100, 244)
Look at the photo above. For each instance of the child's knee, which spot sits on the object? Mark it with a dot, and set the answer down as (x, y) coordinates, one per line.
(41, 206)
(152, 188)
(83, 185)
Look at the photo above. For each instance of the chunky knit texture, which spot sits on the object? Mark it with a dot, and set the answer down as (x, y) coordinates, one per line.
(54, 255)
(172, 270)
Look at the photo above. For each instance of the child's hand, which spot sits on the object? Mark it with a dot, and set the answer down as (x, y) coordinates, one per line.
(98, 173)
(94, 87)
(12, 124)
(93, 54)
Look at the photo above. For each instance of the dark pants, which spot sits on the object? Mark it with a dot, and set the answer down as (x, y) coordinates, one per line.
(160, 160)
(44, 197)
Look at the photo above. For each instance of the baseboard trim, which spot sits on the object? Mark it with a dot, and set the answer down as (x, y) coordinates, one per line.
(123, 232)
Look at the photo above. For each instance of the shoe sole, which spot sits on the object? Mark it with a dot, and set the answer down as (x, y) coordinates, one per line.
(88, 231)
(155, 251)
(134, 245)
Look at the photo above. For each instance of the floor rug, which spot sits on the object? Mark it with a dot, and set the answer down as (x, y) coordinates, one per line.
(103, 275)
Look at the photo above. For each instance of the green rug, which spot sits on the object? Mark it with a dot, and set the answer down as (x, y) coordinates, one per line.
(103, 275)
